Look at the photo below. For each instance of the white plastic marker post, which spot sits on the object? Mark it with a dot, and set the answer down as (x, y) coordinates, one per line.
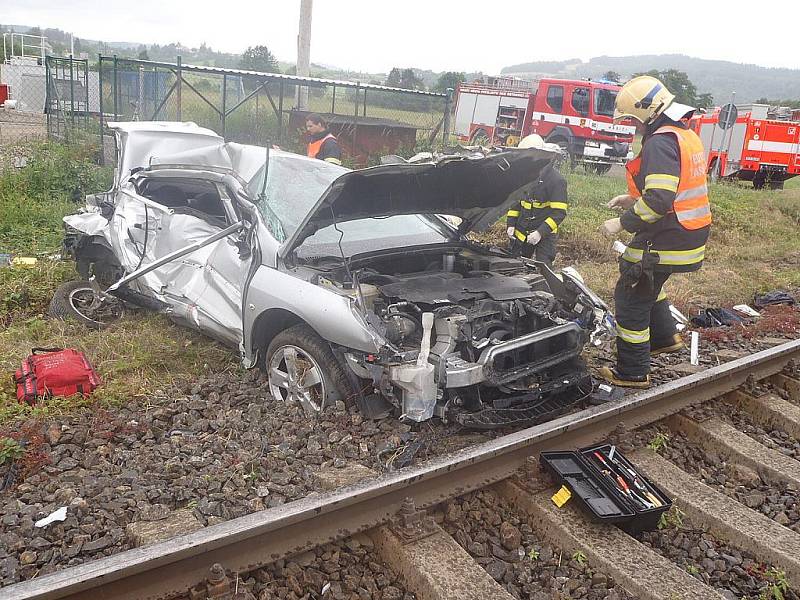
(695, 349)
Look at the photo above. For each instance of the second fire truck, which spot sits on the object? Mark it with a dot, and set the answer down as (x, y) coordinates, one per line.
(575, 114)
(758, 145)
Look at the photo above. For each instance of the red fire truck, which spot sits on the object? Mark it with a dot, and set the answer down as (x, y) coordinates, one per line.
(755, 147)
(575, 114)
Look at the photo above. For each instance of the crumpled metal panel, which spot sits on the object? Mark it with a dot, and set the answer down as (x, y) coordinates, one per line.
(203, 288)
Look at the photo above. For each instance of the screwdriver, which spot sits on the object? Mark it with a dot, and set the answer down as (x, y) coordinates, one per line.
(647, 503)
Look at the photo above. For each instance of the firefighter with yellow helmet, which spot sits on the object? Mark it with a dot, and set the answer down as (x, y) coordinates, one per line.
(532, 225)
(667, 210)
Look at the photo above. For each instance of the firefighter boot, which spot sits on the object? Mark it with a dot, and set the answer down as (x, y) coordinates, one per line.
(631, 381)
(673, 344)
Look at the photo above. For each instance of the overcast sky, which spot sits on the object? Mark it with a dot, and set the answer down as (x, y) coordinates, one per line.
(458, 35)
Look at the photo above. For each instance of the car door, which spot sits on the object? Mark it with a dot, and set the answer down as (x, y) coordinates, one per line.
(203, 287)
(217, 294)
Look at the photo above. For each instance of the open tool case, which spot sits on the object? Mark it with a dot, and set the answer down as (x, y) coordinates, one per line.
(596, 485)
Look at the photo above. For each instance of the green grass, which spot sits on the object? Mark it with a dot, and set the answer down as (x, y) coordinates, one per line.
(754, 244)
(141, 356)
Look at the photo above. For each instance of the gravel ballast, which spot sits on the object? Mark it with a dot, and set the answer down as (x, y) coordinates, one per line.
(505, 545)
(346, 570)
(778, 501)
(732, 572)
(221, 448)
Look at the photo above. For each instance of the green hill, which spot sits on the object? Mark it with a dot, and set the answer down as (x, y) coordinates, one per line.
(717, 77)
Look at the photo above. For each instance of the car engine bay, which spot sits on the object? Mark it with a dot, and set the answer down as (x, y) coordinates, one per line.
(505, 337)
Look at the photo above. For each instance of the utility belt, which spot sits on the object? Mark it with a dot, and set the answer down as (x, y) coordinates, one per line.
(639, 275)
(531, 224)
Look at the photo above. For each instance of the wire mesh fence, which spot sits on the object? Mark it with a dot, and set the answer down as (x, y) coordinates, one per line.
(242, 106)
(22, 99)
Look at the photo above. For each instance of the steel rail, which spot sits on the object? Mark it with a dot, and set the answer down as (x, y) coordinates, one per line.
(172, 567)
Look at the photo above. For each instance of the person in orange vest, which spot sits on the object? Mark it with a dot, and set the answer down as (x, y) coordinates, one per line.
(667, 210)
(322, 144)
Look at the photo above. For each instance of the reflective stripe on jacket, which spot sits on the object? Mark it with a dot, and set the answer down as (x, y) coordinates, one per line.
(543, 208)
(691, 205)
(671, 214)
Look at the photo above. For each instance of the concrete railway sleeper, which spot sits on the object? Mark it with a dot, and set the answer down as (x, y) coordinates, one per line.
(401, 532)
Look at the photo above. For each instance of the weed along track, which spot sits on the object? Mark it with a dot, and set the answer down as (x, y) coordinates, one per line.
(480, 522)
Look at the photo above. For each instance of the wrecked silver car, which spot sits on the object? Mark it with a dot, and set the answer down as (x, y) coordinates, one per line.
(343, 285)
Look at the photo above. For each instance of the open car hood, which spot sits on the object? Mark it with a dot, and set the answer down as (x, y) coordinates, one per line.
(476, 189)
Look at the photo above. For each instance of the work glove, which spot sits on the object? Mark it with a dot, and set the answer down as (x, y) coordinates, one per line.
(534, 238)
(510, 232)
(611, 227)
(621, 202)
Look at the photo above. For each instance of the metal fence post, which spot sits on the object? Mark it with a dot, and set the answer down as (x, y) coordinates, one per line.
(280, 113)
(86, 89)
(47, 109)
(224, 101)
(355, 117)
(178, 88)
(71, 94)
(364, 112)
(154, 81)
(333, 101)
(115, 92)
(446, 117)
(100, 87)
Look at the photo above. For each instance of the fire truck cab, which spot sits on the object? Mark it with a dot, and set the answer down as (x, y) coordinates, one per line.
(575, 114)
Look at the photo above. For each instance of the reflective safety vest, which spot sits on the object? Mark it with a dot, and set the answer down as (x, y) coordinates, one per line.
(691, 206)
(315, 147)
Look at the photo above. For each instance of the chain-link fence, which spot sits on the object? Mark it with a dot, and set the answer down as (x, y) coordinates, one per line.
(22, 99)
(242, 106)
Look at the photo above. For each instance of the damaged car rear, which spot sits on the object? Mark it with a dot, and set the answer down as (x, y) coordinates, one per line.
(343, 285)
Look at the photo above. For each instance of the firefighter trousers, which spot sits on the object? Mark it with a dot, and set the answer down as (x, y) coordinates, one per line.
(643, 318)
(544, 251)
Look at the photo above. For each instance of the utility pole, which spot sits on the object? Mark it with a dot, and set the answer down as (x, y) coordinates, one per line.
(304, 51)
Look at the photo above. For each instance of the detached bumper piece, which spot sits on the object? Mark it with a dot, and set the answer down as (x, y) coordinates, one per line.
(608, 486)
(547, 403)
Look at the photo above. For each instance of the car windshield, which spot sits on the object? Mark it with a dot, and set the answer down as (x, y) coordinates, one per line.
(604, 102)
(295, 185)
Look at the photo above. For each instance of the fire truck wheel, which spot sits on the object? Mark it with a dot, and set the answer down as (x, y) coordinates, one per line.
(776, 185)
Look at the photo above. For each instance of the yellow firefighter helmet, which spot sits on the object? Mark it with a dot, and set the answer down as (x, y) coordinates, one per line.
(643, 98)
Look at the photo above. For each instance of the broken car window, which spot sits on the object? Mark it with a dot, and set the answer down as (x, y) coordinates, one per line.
(293, 188)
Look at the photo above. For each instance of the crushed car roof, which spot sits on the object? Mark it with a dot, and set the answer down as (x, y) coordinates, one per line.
(140, 141)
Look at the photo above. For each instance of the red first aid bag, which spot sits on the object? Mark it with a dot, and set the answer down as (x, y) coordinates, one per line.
(54, 372)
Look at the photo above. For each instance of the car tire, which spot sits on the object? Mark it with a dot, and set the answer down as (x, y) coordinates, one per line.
(72, 300)
(323, 380)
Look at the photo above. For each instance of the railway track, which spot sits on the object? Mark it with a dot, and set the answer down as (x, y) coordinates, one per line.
(391, 508)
